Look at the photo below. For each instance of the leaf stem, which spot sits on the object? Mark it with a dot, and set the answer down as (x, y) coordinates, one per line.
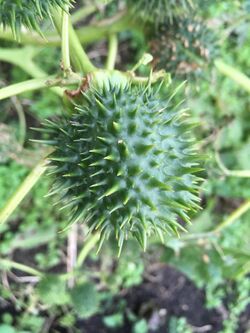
(112, 52)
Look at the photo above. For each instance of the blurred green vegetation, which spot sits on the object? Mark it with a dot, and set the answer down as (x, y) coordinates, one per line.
(219, 263)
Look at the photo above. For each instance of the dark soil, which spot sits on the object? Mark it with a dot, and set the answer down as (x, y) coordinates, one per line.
(165, 293)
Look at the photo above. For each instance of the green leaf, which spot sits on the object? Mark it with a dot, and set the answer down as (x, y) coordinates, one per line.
(85, 299)
(113, 321)
(140, 327)
(52, 291)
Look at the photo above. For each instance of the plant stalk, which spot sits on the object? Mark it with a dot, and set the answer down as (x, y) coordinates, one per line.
(112, 52)
(16, 56)
(22, 191)
(78, 56)
(34, 84)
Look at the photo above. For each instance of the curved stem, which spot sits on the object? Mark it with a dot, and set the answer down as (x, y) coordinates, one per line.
(9, 264)
(22, 191)
(232, 173)
(112, 53)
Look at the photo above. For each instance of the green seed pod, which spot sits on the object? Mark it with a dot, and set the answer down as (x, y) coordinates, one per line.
(159, 11)
(125, 162)
(28, 13)
(184, 47)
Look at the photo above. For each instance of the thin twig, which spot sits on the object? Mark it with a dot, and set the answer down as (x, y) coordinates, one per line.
(72, 253)
(22, 120)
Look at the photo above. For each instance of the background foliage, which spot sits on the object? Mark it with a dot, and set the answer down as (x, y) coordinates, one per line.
(216, 262)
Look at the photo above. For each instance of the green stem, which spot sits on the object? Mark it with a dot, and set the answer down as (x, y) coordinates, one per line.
(9, 264)
(24, 86)
(91, 34)
(88, 246)
(65, 41)
(231, 173)
(112, 53)
(22, 191)
(233, 216)
(236, 214)
(234, 74)
(78, 56)
(29, 85)
(86, 35)
(81, 13)
(16, 56)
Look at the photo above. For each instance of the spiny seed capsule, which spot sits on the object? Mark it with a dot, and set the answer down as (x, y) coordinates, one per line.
(125, 162)
(183, 47)
(159, 11)
(28, 13)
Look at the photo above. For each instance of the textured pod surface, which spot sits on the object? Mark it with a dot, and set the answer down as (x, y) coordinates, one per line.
(183, 47)
(124, 163)
(159, 11)
(28, 13)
